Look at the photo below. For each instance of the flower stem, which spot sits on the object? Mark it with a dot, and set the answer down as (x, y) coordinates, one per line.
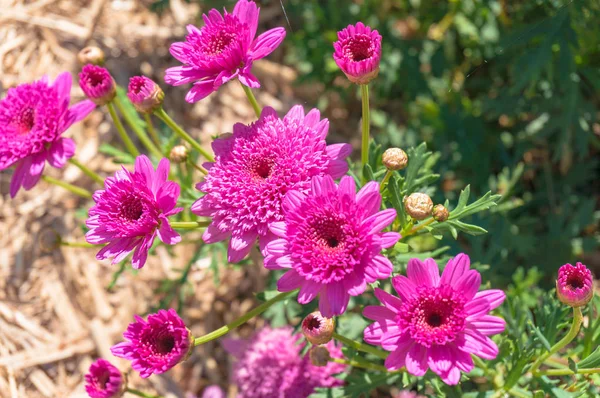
(386, 177)
(360, 346)
(121, 130)
(364, 92)
(162, 115)
(84, 193)
(87, 171)
(252, 99)
(577, 321)
(78, 244)
(143, 137)
(189, 224)
(198, 167)
(241, 320)
(362, 364)
(417, 228)
(152, 130)
(141, 394)
(567, 372)
(517, 392)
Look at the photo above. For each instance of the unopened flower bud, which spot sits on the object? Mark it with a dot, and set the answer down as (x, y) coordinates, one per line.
(145, 95)
(49, 240)
(575, 285)
(97, 84)
(394, 159)
(319, 355)
(317, 329)
(440, 213)
(418, 205)
(91, 55)
(178, 154)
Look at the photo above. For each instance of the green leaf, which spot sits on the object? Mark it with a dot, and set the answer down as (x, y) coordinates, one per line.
(591, 361)
(267, 295)
(540, 335)
(572, 365)
(368, 173)
(119, 155)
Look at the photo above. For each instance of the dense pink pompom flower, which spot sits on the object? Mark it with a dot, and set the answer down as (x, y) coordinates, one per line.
(329, 241)
(270, 365)
(156, 345)
(575, 285)
(256, 166)
(222, 50)
(358, 53)
(104, 380)
(145, 95)
(437, 323)
(33, 117)
(131, 210)
(97, 84)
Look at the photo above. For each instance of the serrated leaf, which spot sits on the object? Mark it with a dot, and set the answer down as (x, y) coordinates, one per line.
(591, 361)
(540, 335)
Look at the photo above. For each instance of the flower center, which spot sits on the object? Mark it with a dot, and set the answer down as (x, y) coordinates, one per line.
(25, 120)
(328, 232)
(434, 316)
(218, 42)
(165, 344)
(102, 380)
(359, 48)
(131, 208)
(261, 167)
(312, 323)
(575, 282)
(95, 79)
(137, 85)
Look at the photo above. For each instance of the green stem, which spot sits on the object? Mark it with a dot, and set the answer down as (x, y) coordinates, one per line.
(360, 346)
(252, 99)
(364, 92)
(577, 321)
(241, 320)
(84, 193)
(361, 364)
(162, 115)
(152, 130)
(87, 171)
(143, 137)
(78, 244)
(189, 224)
(198, 167)
(141, 394)
(386, 177)
(567, 372)
(121, 130)
(517, 392)
(418, 228)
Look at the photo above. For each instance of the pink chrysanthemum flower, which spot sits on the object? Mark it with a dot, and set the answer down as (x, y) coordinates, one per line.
(104, 380)
(436, 323)
(270, 365)
(145, 95)
(156, 345)
(575, 285)
(222, 50)
(256, 166)
(97, 84)
(131, 210)
(330, 241)
(33, 117)
(358, 53)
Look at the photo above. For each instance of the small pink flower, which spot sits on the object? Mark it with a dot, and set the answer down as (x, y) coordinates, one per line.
(156, 345)
(575, 285)
(255, 167)
(358, 53)
(97, 84)
(145, 95)
(131, 210)
(213, 391)
(222, 50)
(329, 242)
(104, 380)
(33, 117)
(437, 323)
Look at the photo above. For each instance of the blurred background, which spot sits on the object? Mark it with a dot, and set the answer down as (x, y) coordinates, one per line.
(506, 92)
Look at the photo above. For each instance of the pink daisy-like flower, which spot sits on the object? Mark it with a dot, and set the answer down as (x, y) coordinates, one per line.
(104, 380)
(145, 95)
(97, 84)
(575, 285)
(33, 117)
(358, 53)
(270, 365)
(131, 210)
(222, 50)
(156, 345)
(256, 166)
(329, 241)
(437, 323)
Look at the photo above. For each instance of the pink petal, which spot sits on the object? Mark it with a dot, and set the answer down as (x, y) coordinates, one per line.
(476, 308)
(451, 377)
(289, 281)
(380, 220)
(144, 167)
(308, 292)
(248, 79)
(389, 239)
(247, 12)
(200, 91)
(393, 338)
(347, 187)
(416, 360)
(140, 255)
(392, 303)
(455, 269)
(60, 151)
(340, 151)
(397, 359)
(378, 313)
(494, 296)
(34, 172)
(423, 273)
(404, 287)
(292, 200)
(379, 267)
(19, 175)
(369, 187)
(322, 185)
(168, 234)
(312, 118)
(167, 195)
(212, 234)
(354, 284)
(266, 43)
(62, 85)
(240, 246)
(478, 344)
(440, 358)
(337, 168)
(469, 284)
(278, 228)
(371, 202)
(338, 299)
(277, 247)
(296, 113)
(488, 325)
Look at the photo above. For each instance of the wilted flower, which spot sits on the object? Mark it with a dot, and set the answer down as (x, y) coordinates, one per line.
(145, 95)
(329, 242)
(394, 159)
(319, 355)
(317, 329)
(156, 345)
(97, 84)
(255, 167)
(32, 118)
(131, 210)
(575, 285)
(104, 380)
(437, 323)
(440, 213)
(91, 55)
(358, 53)
(418, 205)
(222, 50)
(270, 365)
